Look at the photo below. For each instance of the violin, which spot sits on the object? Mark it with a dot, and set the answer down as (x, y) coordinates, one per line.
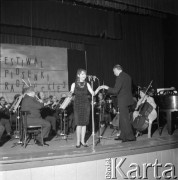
(54, 105)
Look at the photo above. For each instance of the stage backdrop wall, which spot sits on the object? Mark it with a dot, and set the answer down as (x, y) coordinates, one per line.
(42, 66)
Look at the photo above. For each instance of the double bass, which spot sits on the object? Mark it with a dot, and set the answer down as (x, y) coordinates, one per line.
(145, 114)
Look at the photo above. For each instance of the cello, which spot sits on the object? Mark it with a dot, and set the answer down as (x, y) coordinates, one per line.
(144, 115)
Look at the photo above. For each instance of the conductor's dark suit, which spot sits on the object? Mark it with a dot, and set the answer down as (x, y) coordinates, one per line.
(123, 91)
(34, 118)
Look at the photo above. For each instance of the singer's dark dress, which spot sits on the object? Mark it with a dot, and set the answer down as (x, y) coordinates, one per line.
(81, 105)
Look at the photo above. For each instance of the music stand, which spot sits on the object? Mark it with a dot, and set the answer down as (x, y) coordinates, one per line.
(16, 108)
(17, 128)
(63, 107)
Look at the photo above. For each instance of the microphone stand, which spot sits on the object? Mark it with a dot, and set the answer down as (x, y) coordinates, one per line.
(92, 110)
(92, 79)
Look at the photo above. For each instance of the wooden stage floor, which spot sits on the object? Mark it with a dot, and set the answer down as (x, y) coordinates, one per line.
(66, 152)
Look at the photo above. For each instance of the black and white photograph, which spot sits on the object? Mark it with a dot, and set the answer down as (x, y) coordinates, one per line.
(88, 89)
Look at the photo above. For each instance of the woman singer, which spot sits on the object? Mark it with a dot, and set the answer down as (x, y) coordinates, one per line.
(80, 89)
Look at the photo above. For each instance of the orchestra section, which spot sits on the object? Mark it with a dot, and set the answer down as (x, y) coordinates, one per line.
(59, 112)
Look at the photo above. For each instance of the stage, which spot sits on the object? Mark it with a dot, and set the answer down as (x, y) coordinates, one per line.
(62, 158)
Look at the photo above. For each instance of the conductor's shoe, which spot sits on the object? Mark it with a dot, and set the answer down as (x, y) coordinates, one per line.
(118, 138)
(127, 140)
(45, 144)
(1, 143)
(39, 143)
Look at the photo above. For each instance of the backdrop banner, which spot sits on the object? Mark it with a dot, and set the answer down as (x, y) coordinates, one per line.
(42, 66)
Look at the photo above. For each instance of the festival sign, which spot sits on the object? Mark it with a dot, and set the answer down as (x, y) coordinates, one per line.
(44, 67)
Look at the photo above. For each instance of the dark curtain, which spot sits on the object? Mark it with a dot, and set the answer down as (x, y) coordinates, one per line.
(140, 52)
(171, 51)
(76, 60)
(137, 44)
(53, 15)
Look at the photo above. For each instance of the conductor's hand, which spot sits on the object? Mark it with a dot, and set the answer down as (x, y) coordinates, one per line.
(101, 87)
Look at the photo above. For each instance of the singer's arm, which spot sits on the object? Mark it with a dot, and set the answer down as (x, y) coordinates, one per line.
(97, 90)
(72, 88)
(90, 89)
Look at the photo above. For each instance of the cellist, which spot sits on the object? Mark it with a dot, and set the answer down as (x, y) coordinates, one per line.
(145, 97)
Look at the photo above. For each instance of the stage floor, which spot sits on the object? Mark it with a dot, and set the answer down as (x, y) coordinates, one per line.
(63, 160)
(66, 151)
(61, 144)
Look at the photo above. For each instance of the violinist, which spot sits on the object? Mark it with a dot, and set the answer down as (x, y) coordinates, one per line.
(33, 105)
(11, 109)
(55, 102)
(146, 107)
(4, 118)
(49, 117)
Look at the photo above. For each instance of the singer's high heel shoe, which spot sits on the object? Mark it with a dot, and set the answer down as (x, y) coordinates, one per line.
(84, 145)
(78, 146)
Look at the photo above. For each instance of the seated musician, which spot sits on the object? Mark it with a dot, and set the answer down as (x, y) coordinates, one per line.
(2, 128)
(55, 102)
(108, 109)
(145, 97)
(4, 118)
(14, 114)
(33, 106)
(49, 113)
(100, 108)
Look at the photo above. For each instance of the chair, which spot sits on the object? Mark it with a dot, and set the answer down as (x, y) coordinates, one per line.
(155, 121)
(150, 123)
(29, 131)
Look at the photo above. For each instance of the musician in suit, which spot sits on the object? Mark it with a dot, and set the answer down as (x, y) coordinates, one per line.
(33, 106)
(49, 115)
(123, 91)
(4, 118)
(2, 128)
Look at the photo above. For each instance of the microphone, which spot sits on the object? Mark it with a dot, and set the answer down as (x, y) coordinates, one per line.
(90, 77)
(94, 77)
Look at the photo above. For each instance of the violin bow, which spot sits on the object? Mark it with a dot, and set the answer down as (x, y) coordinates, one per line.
(25, 83)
